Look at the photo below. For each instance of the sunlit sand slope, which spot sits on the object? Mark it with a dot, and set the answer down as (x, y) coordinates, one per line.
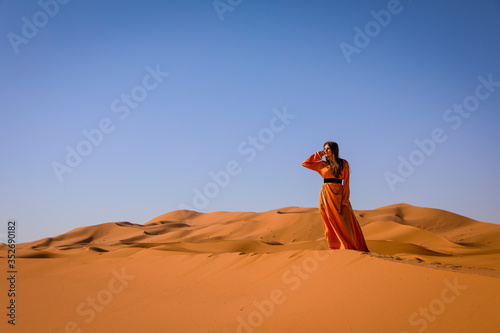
(428, 271)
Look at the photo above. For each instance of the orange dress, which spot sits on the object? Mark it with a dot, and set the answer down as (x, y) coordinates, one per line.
(342, 230)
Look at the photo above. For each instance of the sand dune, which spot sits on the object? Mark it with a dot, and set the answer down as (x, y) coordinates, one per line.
(428, 270)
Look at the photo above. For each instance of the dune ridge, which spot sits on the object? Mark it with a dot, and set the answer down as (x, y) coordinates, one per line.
(409, 232)
(186, 271)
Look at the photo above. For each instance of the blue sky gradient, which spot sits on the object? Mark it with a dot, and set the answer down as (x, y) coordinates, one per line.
(255, 89)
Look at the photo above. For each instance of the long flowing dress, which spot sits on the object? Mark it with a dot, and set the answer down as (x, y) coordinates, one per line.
(342, 230)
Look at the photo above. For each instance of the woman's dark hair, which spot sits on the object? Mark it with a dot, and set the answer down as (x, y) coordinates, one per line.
(337, 165)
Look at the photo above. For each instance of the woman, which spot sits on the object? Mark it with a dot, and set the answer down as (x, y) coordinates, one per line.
(342, 230)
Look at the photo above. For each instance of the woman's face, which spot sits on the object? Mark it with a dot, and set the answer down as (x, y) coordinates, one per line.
(328, 151)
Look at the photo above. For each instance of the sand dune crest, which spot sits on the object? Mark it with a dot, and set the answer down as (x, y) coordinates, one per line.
(185, 271)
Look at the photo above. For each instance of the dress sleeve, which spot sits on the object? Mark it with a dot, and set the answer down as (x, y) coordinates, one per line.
(314, 162)
(345, 187)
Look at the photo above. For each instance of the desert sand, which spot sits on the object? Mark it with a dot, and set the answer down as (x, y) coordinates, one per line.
(428, 270)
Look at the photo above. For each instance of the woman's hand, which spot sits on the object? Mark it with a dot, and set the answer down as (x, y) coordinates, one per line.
(321, 153)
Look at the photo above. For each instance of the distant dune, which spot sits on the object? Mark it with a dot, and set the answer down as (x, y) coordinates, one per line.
(428, 271)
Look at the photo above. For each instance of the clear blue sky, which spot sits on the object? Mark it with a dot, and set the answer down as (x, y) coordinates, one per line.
(172, 92)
